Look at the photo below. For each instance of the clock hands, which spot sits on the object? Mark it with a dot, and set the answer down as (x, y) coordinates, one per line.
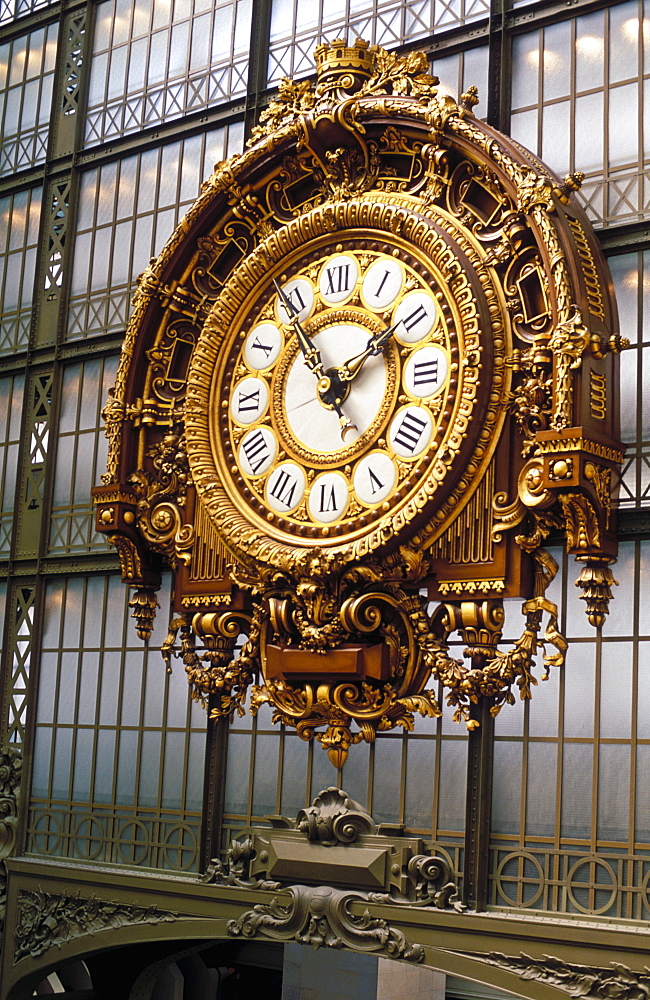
(312, 356)
(376, 344)
(327, 386)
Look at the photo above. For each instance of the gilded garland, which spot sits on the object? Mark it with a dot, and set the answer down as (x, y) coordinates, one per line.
(372, 369)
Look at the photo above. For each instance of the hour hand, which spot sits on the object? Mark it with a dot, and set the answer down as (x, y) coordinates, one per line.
(376, 344)
(313, 359)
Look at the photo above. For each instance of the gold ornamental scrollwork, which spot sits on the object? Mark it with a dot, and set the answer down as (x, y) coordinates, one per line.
(260, 541)
(331, 623)
(386, 646)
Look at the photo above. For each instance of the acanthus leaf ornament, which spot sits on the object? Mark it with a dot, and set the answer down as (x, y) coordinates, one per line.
(311, 420)
(325, 917)
(47, 919)
(590, 982)
(276, 855)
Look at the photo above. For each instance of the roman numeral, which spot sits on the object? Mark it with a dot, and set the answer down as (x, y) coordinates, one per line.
(259, 346)
(382, 283)
(410, 431)
(375, 482)
(425, 371)
(244, 401)
(415, 317)
(283, 488)
(327, 498)
(256, 450)
(296, 300)
(338, 279)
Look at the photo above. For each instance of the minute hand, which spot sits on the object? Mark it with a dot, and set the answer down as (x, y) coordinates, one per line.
(312, 356)
(351, 368)
(313, 360)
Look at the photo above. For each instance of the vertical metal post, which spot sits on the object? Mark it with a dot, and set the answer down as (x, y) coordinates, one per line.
(480, 624)
(216, 753)
(498, 104)
(214, 783)
(258, 63)
(478, 807)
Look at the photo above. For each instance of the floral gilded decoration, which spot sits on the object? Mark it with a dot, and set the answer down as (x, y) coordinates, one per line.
(365, 379)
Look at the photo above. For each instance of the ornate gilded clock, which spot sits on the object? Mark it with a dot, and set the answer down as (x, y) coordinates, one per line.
(342, 405)
(372, 369)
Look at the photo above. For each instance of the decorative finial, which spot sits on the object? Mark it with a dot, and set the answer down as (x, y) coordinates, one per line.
(469, 100)
(572, 183)
(595, 581)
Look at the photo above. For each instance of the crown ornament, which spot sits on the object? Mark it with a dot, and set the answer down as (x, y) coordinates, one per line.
(343, 67)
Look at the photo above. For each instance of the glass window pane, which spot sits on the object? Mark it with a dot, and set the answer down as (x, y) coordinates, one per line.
(120, 225)
(181, 75)
(19, 216)
(91, 748)
(594, 66)
(26, 91)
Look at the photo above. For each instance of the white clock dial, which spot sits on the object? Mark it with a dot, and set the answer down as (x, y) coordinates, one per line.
(257, 451)
(300, 293)
(410, 431)
(249, 400)
(338, 278)
(328, 497)
(382, 283)
(263, 346)
(416, 314)
(374, 478)
(285, 487)
(425, 372)
(314, 426)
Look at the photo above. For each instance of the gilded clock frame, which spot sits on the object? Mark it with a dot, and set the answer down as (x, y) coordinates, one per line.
(283, 251)
(342, 638)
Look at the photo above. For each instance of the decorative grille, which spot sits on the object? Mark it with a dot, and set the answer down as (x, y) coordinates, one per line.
(11, 9)
(297, 26)
(571, 806)
(20, 652)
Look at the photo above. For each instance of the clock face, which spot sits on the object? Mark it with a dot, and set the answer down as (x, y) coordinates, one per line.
(346, 391)
(337, 393)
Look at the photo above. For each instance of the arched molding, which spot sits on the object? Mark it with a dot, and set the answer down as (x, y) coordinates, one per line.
(547, 978)
(546, 959)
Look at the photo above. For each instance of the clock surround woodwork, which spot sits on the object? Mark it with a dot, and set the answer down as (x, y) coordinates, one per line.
(341, 635)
